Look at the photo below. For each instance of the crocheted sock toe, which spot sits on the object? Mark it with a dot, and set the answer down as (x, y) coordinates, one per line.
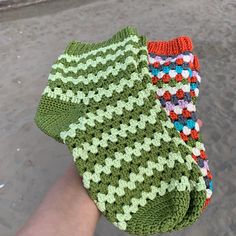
(160, 214)
(132, 160)
(197, 201)
(175, 73)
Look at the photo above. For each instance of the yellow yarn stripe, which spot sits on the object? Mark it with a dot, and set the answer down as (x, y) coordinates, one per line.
(135, 179)
(99, 116)
(98, 60)
(75, 70)
(98, 169)
(111, 70)
(83, 152)
(183, 185)
(116, 163)
(121, 131)
(85, 98)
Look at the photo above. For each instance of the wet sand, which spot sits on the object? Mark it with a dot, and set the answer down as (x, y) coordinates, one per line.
(31, 38)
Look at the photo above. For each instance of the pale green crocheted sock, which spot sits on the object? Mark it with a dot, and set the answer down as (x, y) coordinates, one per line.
(101, 103)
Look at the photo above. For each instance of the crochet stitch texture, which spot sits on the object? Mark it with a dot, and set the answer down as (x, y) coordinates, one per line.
(100, 101)
(175, 72)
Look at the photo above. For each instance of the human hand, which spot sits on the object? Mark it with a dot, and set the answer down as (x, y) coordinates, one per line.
(66, 210)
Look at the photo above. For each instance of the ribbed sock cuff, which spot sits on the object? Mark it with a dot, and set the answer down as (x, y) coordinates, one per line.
(172, 47)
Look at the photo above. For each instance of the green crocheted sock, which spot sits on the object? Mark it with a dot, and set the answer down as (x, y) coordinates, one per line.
(101, 103)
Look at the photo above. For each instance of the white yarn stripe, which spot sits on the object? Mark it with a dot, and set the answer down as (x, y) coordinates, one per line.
(209, 193)
(173, 90)
(178, 110)
(173, 73)
(186, 58)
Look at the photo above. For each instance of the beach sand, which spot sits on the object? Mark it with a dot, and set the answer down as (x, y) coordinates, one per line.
(33, 37)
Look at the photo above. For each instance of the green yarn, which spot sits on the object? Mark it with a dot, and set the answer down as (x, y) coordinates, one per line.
(101, 103)
(156, 213)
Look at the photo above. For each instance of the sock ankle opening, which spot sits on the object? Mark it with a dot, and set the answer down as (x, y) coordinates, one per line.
(171, 47)
(79, 47)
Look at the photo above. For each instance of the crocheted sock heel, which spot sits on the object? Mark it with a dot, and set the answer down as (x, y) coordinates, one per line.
(56, 117)
(175, 72)
(123, 143)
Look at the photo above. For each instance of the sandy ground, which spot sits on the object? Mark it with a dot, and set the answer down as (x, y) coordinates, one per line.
(31, 39)
(9, 4)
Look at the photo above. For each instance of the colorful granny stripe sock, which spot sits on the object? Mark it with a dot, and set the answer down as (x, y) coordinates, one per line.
(100, 102)
(175, 72)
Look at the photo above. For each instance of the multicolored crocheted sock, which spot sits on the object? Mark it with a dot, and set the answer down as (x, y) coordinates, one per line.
(175, 72)
(100, 101)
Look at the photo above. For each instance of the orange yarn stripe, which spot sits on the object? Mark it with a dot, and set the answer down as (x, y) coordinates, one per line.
(172, 47)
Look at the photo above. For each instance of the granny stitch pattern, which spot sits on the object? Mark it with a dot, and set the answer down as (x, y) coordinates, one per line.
(175, 72)
(100, 101)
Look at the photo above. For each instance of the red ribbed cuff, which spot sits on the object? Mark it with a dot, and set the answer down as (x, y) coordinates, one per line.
(175, 46)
